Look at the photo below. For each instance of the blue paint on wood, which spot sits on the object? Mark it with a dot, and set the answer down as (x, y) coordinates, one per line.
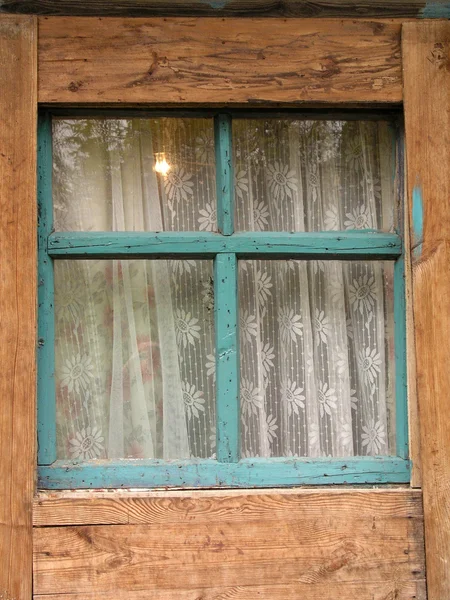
(401, 392)
(417, 252)
(46, 325)
(436, 10)
(251, 472)
(227, 357)
(224, 173)
(417, 221)
(329, 245)
(216, 4)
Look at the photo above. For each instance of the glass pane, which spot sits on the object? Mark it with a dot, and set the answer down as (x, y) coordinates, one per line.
(134, 175)
(317, 358)
(293, 175)
(134, 347)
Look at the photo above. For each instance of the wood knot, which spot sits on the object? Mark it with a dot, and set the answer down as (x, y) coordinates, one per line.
(438, 56)
(74, 86)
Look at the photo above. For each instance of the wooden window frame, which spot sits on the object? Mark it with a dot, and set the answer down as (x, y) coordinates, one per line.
(225, 248)
(348, 63)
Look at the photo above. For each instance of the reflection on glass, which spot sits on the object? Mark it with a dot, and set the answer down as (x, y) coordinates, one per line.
(134, 175)
(317, 358)
(134, 359)
(293, 175)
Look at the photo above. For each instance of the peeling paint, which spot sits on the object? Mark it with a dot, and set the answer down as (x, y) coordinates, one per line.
(417, 252)
(436, 10)
(216, 4)
(417, 221)
(198, 473)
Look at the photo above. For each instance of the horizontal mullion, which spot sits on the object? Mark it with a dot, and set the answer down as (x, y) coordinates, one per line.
(327, 245)
(251, 472)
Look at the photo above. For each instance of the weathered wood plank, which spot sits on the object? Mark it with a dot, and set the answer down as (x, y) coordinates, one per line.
(163, 61)
(293, 542)
(221, 544)
(409, 590)
(18, 73)
(115, 508)
(413, 407)
(268, 8)
(426, 55)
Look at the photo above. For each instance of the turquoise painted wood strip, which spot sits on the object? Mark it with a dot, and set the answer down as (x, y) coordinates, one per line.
(224, 173)
(417, 222)
(46, 326)
(227, 357)
(401, 391)
(209, 473)
(327, 245)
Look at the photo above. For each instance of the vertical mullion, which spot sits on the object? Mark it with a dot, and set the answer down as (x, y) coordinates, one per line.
(401, 396)
(227, 357)
(224, 173)
(46, 321)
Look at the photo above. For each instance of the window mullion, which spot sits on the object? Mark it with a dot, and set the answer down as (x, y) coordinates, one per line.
(227, 357)
(224, 174)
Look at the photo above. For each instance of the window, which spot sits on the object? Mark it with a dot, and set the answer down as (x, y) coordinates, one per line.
(221, 300)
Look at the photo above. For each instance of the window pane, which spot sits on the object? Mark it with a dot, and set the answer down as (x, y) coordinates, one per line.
(317, 358)
(134, 174)
(134, 359)
(293, 175)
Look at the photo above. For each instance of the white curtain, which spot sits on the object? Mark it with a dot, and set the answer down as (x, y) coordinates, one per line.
(135, 367)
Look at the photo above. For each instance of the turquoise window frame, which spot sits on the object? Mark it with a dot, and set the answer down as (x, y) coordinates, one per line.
(225, 248)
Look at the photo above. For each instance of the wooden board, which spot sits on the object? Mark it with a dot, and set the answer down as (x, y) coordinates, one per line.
(268, 8)
(317, 591)
(256, 62)
(292, 544)
(413, 407)
(18, 70)
(120, 507)
(426, 56)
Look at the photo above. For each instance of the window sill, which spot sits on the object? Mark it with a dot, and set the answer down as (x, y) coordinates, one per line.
(250, 472)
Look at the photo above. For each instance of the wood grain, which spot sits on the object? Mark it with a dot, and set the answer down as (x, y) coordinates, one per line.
(119, 507)
(319, 591)
(271, 545)
(18, 104)
(161, 61)
(426, 55)
(268, 8)
(413, 406)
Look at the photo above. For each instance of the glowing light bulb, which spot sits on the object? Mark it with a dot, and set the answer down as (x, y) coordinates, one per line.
(161, 164)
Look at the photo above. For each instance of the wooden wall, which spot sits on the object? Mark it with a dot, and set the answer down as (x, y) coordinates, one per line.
(309, 544)
(321, 544)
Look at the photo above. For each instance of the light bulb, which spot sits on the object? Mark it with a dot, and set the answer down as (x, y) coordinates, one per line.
(161, 164)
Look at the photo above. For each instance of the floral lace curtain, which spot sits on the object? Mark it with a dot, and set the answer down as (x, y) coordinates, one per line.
(135, 370)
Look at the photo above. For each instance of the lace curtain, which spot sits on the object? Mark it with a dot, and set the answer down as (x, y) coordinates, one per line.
(135, 371)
